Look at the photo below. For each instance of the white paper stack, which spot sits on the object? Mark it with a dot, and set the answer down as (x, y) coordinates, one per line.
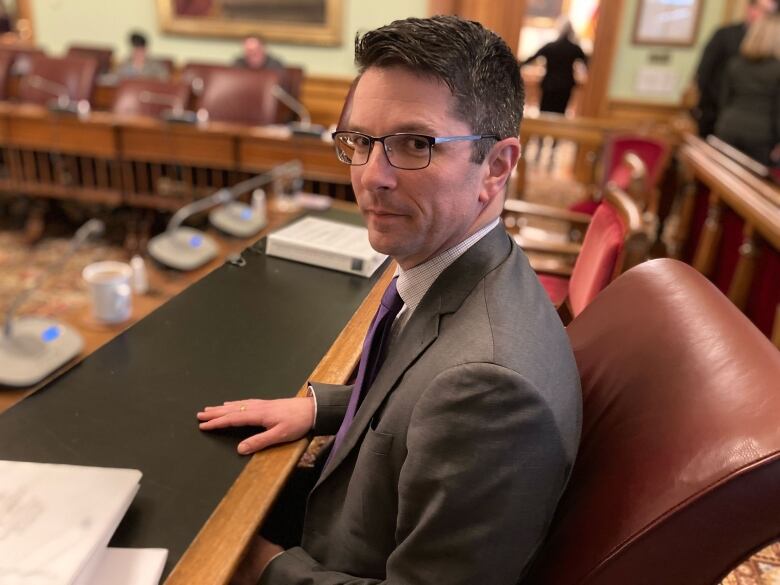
(56, 520)
(326, 243)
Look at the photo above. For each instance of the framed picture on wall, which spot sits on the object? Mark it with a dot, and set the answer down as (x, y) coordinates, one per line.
(667, 22)
(304, 22)
(544, 13)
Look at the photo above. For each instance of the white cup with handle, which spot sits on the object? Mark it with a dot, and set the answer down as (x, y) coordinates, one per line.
(110, 290)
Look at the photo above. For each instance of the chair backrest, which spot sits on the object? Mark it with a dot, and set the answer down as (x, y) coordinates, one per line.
(290, 80)
(75, 75)
(615, 241)
(240, 96)
(676, 479)
(6, 61)
(103, 55)
(653, 152)
(21, 57)
(150, 97)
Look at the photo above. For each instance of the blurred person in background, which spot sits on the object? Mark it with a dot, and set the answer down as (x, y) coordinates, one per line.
(749, 116)
(722, 46)
(139, 64)
(256, 55)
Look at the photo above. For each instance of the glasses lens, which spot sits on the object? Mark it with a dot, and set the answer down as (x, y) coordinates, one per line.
(408, 151)
(352, 148)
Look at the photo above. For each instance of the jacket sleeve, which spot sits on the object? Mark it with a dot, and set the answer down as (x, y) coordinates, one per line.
(332, 401)
(484, 470)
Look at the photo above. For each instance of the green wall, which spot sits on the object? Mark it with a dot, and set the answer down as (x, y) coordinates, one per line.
(59, 23)
(681, 62)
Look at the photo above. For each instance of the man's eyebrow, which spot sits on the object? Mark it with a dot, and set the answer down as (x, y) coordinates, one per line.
(409, 128)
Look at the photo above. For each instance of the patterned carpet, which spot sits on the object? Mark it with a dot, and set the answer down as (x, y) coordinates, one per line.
(20, 264)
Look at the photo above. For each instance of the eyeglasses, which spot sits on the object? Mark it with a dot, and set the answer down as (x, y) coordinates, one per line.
(404, 151)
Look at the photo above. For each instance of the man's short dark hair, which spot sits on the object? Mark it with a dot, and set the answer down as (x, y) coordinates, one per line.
(137, 40)
(475, 63)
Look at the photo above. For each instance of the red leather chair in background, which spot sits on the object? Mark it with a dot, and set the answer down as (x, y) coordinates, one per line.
(150, 97)
(573, 274)
(74, 75)
(240, 96)
(20, 57)
(6, 61)
(618, 169)
(103, 55)
(676, 479)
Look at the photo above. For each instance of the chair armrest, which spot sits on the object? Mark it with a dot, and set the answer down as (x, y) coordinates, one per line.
(548, 246)
(545, 211)
(550, 265)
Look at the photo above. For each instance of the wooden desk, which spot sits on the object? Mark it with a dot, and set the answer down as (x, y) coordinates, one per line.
(257, 330)
(147, 163)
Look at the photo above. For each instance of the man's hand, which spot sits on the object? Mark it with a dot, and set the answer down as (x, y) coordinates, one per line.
(286, 419)
(259, 553)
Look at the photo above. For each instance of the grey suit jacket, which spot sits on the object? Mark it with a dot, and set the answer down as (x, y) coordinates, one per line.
(457, 457)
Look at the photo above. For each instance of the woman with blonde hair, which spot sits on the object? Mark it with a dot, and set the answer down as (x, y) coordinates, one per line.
(750, 103)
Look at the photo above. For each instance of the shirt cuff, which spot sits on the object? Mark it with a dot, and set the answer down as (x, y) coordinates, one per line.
(313, 394)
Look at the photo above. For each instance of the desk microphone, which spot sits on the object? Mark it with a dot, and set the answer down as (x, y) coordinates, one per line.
(241, 220)
(33, 347)
(175, 112)
(304, 127)
(62, 102)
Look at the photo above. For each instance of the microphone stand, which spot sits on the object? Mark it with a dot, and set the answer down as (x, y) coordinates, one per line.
(186, 248)
(304, 127)
(241, 220)
(63, 102)
(33, 347)
(175, 112)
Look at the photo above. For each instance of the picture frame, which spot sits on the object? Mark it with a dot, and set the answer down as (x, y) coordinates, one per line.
(667, 23)
(302, 22)
(544, 13)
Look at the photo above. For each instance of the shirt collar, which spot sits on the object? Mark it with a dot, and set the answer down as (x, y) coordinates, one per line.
(415, 282)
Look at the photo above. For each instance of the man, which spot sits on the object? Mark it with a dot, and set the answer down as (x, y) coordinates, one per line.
(722, 46)
(139, 64)
(452, 464)
(256, 56)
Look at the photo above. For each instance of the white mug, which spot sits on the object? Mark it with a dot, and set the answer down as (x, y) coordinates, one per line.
(109, 287)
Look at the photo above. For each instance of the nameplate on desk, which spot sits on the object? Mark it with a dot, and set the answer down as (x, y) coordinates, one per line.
(328, 244)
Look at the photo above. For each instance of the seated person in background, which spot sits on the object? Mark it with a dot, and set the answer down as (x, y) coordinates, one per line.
(139, 64)
(457, 439)
(256, 56)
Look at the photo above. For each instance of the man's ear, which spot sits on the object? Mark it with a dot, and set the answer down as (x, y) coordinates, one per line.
(499, 164)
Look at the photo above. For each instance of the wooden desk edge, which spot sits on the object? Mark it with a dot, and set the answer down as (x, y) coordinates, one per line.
(214, 554)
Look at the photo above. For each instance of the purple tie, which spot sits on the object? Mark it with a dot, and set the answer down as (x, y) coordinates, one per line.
(374, 350)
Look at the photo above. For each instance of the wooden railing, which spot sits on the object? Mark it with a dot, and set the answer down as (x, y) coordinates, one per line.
(726, 223)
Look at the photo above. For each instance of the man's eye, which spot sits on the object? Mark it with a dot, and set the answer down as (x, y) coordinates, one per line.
(417, 143)
(360, 141)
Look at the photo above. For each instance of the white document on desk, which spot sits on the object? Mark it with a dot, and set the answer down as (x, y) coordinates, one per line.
(326, 243)
(128, 566)
(55, 518)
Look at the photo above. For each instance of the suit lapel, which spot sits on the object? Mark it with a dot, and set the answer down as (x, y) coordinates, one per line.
(445, 296)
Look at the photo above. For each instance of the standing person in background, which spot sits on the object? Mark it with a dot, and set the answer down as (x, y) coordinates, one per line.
(139, 64)
(723, 45)
(256, 56)
(558, 81)
(749, 117)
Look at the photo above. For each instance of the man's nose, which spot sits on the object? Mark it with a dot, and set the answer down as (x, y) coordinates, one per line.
(378, 173)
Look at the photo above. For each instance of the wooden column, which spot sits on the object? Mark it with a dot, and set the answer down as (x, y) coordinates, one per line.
(739, 288)
(594, 100)
(710, 237)
(504, 17)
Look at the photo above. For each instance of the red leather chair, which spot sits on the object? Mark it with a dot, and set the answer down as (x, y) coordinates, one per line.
(653, 154)
(21, 57)
(150, 97)
(240, 96)
(103, 55)
(573, 274)
(6, 60)
(678, 472)
(75, 75)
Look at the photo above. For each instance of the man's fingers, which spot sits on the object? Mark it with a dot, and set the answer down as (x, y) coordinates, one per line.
(260, 441)
(232, 419)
